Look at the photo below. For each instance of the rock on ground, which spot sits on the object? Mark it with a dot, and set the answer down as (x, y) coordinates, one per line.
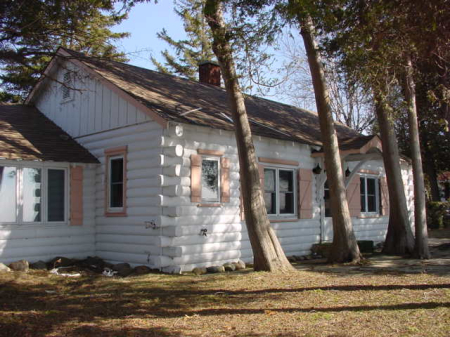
(4, 268)
(40, 265)
(21, 265)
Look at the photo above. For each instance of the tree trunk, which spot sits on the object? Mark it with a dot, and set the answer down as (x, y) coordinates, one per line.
(344, 247)
(399, 237)
(430, 168)
(421, 247)
(267, 251)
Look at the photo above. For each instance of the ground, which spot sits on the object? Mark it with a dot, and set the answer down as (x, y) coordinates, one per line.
(375, 299)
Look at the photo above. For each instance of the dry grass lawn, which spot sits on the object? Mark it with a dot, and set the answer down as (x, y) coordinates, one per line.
(235, 304)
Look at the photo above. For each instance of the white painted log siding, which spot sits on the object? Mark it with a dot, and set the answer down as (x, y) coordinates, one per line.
(130, 239)
(162, 228)
(226, 236)
(36, 241)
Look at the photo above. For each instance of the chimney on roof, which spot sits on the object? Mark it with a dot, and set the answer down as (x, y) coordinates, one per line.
(209, 73)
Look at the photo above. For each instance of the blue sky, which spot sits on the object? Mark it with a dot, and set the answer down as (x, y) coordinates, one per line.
(144, 21)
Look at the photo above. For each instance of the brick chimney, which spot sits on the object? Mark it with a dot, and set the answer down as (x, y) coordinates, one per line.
(209, 73)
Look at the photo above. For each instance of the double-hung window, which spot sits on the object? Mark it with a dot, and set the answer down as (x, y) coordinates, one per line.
(33, 194)
(279, 191)
(370, 195)
(116, 160)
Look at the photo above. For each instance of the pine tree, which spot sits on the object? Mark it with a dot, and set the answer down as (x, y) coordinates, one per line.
(31, 31)
(194, 49)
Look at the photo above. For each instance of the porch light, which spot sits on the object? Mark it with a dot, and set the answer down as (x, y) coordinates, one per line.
(347, 172)
(317, 169)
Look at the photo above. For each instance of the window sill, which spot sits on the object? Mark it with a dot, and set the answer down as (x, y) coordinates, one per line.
(209, 205)
(115, 214)
(65, 101)
(283, 220)
(369, 216)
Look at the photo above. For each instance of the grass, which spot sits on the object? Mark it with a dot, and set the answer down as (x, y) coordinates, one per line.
(236, 304)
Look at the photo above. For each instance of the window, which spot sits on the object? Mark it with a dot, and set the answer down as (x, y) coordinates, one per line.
(279, 191)
(327, 199)
(116, 182)
(31, 191)
(370, 197)
(116, 160)
(67, 83)
(33, 194)
(8, 194)
(210, 184)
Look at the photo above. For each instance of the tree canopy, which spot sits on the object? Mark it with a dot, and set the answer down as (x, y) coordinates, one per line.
(31, 31)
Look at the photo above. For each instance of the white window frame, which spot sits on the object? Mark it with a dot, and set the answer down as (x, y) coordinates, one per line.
(109, 208)
(44, 167)
(219, 174)
(277, 192)
(366, 198)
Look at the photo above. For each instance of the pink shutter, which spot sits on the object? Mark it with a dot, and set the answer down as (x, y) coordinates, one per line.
(76, 196)
(225, 179)
(196, 176)
(305, 179)
(384, 196)
(354, 196)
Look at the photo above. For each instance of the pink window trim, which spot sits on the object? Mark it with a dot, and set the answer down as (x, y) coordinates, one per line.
(76, 196)
(112, 152)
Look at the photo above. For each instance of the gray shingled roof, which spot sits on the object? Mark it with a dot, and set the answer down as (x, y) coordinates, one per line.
(169, 96)
(26, 134)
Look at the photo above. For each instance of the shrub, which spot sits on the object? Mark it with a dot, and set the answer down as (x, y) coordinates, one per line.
(437, 214)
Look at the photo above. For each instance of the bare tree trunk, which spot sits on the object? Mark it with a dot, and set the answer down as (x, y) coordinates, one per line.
(420, 216)
(430, 169)
(267, 251)
(399, 237)
(344, 247)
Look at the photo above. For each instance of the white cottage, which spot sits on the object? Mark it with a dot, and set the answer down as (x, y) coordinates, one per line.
(141, 167)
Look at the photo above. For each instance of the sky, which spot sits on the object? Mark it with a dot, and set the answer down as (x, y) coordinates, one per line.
(147, 19)
(144, 21)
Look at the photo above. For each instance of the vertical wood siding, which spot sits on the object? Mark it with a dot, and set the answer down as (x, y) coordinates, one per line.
(92, 107)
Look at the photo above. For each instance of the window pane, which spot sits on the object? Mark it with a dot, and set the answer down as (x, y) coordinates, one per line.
(286, 181)
(370, 186)
(8, 194)
(56, 195)
(362, 189)
(31, 195)
(371, 203)
(327, 201)
(210, 180)
(269, 180)
(286, 203)
(269, 199)
(116, 183)
(117, 170)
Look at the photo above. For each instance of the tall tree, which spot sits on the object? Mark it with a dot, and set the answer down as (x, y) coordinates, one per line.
(351, 103)
(344, 247)
(194, 49)
(267, 251)
(421, 244)
(31, 30)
